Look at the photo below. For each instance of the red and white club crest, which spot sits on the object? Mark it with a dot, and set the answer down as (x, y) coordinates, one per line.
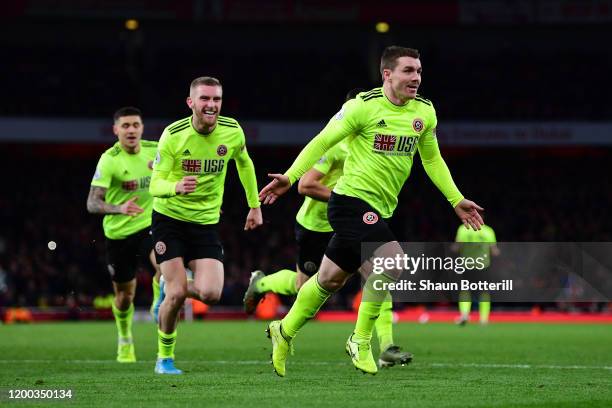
(222, 150)
(370, 218)
(160, 248)
(417, 125)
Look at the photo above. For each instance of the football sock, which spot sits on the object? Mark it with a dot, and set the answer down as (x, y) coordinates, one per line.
(123, 320)
(309, 300)
(165, 344)
(370, 306)
(384, 325)
(155, 285)
(484, 307)
(281, 282)
(465, 304)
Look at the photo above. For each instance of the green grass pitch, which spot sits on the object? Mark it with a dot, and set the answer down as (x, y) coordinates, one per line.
(227, 364)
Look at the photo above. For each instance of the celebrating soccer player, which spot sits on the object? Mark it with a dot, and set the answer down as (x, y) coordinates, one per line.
(120, 190)
(188, 182)
(384, 128)
(312, 234)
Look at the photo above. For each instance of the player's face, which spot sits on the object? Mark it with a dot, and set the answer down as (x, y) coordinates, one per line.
(129, 130)
(205, 102)
(405, 78)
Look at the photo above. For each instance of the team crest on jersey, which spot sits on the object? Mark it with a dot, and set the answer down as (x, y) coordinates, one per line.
(384, 143)
(370, 218)
(157, 158)
(160, 248)
(222, 150)
(417, 125)
(97, 175)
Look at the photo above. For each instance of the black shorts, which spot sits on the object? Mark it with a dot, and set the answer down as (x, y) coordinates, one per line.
(354, 222)
(124, 255)
(180, 239)
(311, 248)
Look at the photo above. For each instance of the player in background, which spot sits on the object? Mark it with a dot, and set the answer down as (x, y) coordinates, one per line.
(312, 234)
(188, 183)
(475, 244)
(384, 128)
(120, 191)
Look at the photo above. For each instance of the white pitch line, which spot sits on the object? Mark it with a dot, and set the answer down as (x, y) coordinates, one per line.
(325, 363)
(537, 366)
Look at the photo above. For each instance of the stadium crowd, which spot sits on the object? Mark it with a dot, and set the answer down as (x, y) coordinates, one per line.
(529, 195)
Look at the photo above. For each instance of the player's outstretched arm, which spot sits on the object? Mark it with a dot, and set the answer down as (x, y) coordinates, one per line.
(274, 189)
(254, 219)
(467, 211)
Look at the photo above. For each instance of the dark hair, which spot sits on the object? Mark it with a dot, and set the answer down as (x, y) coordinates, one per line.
(353, 93)
(204, 80)
(392, 53)
(127, 111)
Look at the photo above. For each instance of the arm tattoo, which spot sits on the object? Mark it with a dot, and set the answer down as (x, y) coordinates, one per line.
(96, 203)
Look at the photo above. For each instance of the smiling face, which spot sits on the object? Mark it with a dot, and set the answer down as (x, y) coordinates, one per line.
(205, 103)
(404, 79)
(129, 131)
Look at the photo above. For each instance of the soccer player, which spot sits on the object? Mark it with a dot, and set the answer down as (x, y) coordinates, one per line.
(475, 244)
(120, 190)
(188, 182)
(312, 234)
(384, 128)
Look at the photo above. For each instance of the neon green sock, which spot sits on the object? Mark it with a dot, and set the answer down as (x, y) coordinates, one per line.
(123, 320)
(369, 309)
(155, 285)
(281, 282)
(165, 344)
(384, 325)
(484, 307)
(465, 304)
(309, 300)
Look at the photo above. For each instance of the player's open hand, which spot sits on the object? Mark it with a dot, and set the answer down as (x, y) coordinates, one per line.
(467, 211)
(186, 185)
(274, 189)
(130, 207)
(254, 219)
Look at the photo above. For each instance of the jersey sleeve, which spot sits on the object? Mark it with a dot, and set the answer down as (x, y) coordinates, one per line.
(346, 122)
(434, 164)
(162, 166)
(104, 173)
(246, 173)
(325, 163)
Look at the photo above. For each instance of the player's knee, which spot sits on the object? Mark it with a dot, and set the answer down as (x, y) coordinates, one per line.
(176, 296)
(123, 300)
(210, 297)
(331, 283)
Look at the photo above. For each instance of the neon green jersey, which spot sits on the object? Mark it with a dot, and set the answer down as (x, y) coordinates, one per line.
(313, 213)
(182, 151)
(126, 175)
(479, 242)
(383, 139)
